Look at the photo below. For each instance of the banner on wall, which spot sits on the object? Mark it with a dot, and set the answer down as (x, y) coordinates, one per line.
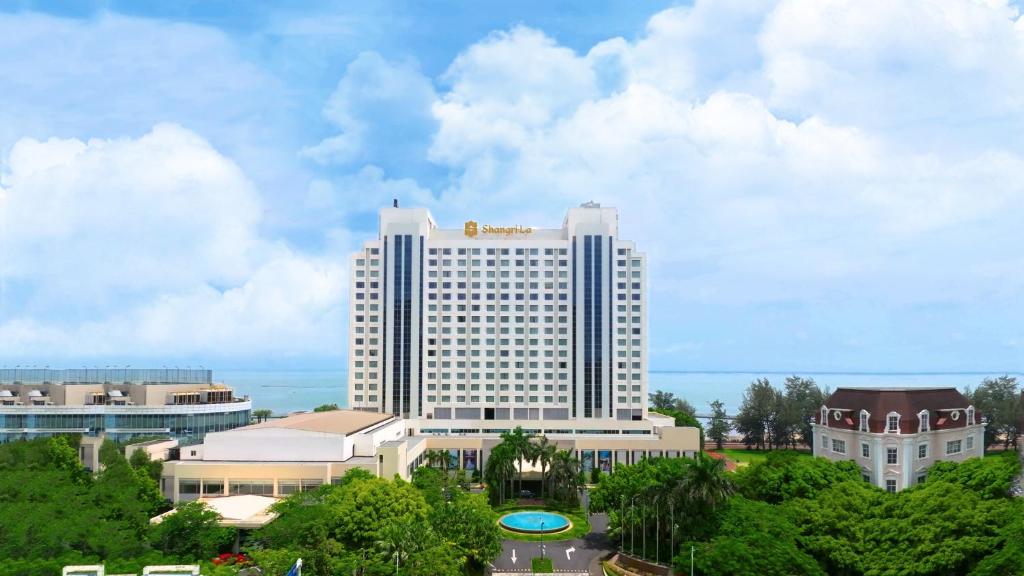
(588, 461)
(469, 460)
(453, 458)
(604, 460)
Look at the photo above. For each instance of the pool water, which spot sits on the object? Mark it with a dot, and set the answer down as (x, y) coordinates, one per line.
(534, 522)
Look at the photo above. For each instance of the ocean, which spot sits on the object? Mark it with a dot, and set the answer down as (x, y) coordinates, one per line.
(285, 391)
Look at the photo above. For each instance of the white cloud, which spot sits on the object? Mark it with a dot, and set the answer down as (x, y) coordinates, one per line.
(151, 246)
(375, 100)
(730, 184)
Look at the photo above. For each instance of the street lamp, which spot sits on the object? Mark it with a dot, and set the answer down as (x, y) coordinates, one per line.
(672, 527)
(622, 523)
(632, 526)
(657, 532)
(542, 542)
(643, 520)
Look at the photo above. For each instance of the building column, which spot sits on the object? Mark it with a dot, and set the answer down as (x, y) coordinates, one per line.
(879, 452)
(908, 461)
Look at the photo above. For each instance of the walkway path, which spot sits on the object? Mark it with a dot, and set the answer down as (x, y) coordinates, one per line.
(569, 557)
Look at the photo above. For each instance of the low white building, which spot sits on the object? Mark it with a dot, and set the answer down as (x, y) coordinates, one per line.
(283, 456)
(896, 434)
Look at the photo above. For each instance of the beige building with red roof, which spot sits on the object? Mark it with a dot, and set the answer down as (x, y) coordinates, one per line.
(896, 434)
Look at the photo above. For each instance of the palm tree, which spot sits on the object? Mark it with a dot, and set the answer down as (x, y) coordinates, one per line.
(394, 542)
(261, 414)
(437, 459)
(500, 468)
(519, 442)
(705, 485)
(544, 452)
(565, 476)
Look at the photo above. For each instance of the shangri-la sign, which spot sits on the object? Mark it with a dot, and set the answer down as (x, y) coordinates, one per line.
(472, 229)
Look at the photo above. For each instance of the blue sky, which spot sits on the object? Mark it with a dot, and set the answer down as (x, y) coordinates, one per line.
(820, 185)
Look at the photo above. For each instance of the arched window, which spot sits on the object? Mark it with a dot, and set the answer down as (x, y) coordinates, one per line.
(922, 421)
(824, 416)
(892, 423)
(864, 415)
(970, 415)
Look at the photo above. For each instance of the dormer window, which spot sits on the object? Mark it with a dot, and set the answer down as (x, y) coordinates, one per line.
(892, 423)
(824, 416)
(970, 415)
(864, 414)
(922, 421)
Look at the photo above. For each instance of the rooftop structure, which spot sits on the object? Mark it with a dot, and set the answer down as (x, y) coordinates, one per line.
(120, 403)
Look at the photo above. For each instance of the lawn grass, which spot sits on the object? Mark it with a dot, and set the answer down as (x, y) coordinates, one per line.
(542, 566)
(580, 523)
(752, 456)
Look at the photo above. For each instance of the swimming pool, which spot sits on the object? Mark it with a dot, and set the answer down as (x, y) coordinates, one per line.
(534, 522)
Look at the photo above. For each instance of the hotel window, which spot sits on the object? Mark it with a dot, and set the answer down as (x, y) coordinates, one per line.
(970, 443)
(891, 456)
(865, 450)
(922, 451)
(970, 417)
(921, 478)
(838, 446)
(922, 418)
(890, 486)
(953, 447)
(893, 423)
(864, 421)
(824, 416)
(824, 442)
(866, 477)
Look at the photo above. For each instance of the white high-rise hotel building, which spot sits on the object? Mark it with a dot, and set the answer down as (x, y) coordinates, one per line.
(499, 321)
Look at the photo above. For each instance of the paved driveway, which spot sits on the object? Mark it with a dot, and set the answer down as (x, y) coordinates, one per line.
(573, 555)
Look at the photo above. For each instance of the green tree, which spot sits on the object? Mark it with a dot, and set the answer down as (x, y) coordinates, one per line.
(544, 453)
(786, 475)
(469, 523)
(664, 402)
(757, 417)
(935, 528)
(499, 471)
(326, 408)
(141, 461)
(803, 398)
(262, 414)
(989, 477)
(520, 445)
(718, 427)
(831, 524)
(192, 532)
(752, 539)
(999, 401)
(64, 456)
(565, 477)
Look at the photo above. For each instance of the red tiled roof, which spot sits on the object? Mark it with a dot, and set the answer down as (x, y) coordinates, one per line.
(907, 402)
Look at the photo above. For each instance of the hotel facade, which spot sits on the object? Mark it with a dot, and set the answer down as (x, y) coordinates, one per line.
(458, 335)
(499, 323)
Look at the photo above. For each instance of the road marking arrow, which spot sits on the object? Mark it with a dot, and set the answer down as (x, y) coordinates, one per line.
(568, 551)
(513, 555)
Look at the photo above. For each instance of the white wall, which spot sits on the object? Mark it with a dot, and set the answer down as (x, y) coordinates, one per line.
(366, 443)
(276, 445)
